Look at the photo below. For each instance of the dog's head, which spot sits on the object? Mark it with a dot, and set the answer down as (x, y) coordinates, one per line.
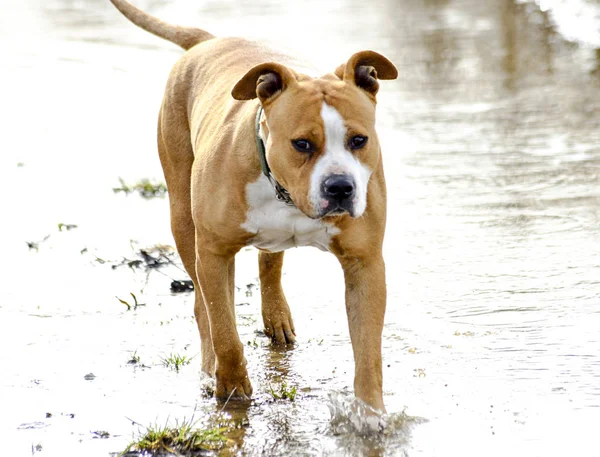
(323, 146)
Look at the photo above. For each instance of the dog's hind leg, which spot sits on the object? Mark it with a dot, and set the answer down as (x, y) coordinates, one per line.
(276, 313)
(177, 157)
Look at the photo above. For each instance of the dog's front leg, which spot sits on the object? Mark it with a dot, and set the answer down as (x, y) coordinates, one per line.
(216, 278)
(365, 306)
(276, 313)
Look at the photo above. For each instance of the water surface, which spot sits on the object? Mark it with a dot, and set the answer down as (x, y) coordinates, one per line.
(491, 145)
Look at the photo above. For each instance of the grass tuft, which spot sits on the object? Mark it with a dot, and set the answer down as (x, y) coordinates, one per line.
(135, 359)
(182, 438)
(144, 187)
(283, 392)
(176, 361)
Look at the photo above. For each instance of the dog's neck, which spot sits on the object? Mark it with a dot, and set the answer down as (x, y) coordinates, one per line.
(262, 135)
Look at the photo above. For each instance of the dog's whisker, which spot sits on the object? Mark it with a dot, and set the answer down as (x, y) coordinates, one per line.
(228, 398)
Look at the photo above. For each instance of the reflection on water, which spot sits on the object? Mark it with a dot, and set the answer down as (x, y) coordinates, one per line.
(491, 142)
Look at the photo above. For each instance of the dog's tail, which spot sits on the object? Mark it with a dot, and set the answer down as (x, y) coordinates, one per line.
(186, 37)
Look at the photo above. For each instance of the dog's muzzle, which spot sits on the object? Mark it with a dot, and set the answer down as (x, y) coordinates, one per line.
(337, 193)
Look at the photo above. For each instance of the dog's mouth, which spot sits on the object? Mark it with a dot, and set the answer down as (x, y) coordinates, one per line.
(328, 208)
(336, 211)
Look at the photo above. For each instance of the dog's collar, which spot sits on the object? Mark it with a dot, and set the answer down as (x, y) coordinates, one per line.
(280, 193)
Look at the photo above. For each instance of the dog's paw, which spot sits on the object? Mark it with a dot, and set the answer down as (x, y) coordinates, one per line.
(279, 324)
(233, 385)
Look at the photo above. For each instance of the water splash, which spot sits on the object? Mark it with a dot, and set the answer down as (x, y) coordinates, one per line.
(207, 384)
(352, 415)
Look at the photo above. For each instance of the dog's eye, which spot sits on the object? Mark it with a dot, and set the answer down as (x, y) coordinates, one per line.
(302, 145)
(357, 142)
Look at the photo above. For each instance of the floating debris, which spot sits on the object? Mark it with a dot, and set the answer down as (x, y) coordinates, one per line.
(419, 373)
(135, 302)
(146, 188)
(67, 227)
(102, 434)
(151, 258)
(32, 426)
(182, 285)
(35, 245)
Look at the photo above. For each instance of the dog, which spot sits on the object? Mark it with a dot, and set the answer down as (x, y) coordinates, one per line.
(260, 150)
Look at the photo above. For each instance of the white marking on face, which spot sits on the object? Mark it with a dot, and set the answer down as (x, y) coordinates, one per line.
(277, 226)
(337, 160)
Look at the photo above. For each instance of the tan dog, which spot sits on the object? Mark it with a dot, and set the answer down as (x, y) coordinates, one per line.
(321, 185)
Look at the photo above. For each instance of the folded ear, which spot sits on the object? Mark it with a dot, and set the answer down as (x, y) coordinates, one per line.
(264, 81)
(365, 68)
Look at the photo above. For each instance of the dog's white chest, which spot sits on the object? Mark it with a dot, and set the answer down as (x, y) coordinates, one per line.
(277, 226)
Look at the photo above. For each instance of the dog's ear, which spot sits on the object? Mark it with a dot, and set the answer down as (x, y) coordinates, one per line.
(264, 81)
(365, 69)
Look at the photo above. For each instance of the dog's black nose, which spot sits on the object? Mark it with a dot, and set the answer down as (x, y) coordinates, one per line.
(339, 187)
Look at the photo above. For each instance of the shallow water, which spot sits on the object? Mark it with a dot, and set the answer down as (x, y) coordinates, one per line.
(491, 144)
